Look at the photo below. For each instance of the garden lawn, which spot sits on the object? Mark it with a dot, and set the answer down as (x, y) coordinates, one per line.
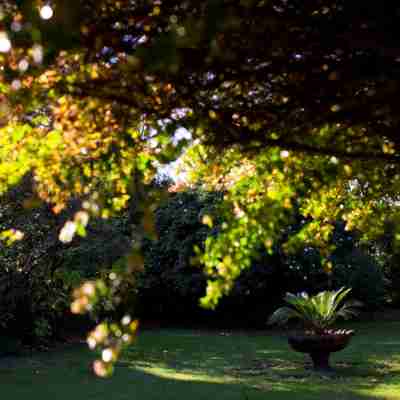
(192, 365)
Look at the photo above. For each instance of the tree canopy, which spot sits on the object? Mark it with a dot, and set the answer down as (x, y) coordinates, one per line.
(290, 105)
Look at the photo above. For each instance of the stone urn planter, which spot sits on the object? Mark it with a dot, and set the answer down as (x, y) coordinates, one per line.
(318, 313)
(320, 346)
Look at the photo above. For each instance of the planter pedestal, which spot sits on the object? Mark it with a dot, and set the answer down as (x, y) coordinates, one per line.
(320, 346)
(321, 361)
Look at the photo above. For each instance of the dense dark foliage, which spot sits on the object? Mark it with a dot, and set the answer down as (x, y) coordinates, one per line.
(386, 250)
(171, 286)
(38, 273)
(32, 295)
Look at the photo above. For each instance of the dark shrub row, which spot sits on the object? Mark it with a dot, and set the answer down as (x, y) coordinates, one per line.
(38, 273)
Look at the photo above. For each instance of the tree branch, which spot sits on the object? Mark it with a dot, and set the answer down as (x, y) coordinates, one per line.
(323, 151)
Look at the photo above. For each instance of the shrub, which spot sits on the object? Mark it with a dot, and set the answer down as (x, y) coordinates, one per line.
(171, 286)
(359, 271)
(38, 273)
(31, 295)
(318, 312)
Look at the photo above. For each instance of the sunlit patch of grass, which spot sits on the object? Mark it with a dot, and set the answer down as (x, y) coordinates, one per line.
(190, 376)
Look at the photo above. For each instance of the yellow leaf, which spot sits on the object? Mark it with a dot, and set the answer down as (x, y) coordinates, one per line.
(207, 220)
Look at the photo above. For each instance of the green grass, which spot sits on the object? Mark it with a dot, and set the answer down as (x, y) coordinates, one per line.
(194, 365)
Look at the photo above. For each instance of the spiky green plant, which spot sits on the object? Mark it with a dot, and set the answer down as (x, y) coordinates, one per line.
(318, 312)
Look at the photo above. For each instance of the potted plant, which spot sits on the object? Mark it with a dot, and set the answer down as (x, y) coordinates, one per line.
(318, 313)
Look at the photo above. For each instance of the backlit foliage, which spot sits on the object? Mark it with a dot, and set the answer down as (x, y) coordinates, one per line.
(258, 204)
(289, 104)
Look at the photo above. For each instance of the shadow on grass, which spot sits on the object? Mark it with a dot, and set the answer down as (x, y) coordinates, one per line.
(130, 383)
(186, 365)
(265, 365)
(183, 386)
